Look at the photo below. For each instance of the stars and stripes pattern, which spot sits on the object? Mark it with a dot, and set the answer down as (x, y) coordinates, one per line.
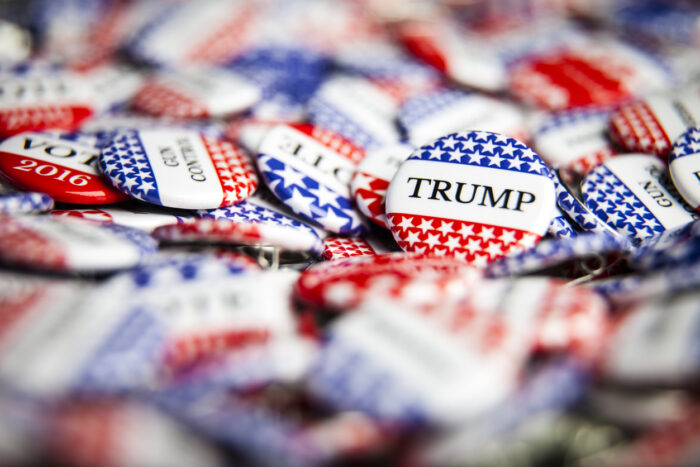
(124, 161)
(234, 167)
(346, 247)
(560, 227)
(613, 202)
(475, 243)
(249, 212)
(311, 199)
(635, 127)
(424, 106)
(688, 144)
(24, 203)
(484, 149)
(158, 98)
(578, 212)
(42, 117)
(369, 192)
(551, 252)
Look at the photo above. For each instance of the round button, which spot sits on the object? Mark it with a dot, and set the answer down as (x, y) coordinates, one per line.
(309, 170)
(178, 168)
(63, 169)
(684, 166)
(474, 195)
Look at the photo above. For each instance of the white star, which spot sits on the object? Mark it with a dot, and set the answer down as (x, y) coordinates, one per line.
(613, 217)
(535, 166)
(452, 242)
(325, 196)
(455, 155)
(332, 221)
(449, 142)
(475, 157)
(412, 238)
(445, 227)
(435, 153)
(496, 160)
(508, 236)
(406, 223)
(508, 149)
(300, 203)
(486, 233)
(218, 213)
(433, 240)
(130, 183)
(290, 176)
(468, 145)
(473, 245)
(515, 163)
(425, 225)
(146, 186)
(488, 147)
(494, 250)
(480, 261)
(528, 153)
(481, 135)
(467, 230)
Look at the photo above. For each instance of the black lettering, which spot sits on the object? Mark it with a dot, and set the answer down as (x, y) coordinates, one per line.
(29, 145)
(458, 193)
(51, 151)
(417, 188)
(437, 189)
(697, 175)
(521, 199)
(489, 192)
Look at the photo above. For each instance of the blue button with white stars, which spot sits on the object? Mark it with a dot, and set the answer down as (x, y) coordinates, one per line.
(684, 166)
(633, 194)
(309, 170)
(19, 202)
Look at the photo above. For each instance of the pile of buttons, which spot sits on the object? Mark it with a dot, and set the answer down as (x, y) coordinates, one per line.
(359, 232)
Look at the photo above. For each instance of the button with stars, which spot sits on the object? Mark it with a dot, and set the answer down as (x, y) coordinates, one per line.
(65, 170)
(196, 93)
(631, 193)
(651, 125)
(22, 202)
(372, 177)
(309, 169)
(440, 112)
(684, 166)
(178, 168)
(475, 195)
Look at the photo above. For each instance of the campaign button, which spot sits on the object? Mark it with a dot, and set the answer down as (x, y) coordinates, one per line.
(356, 109)
(22, 202)
(560, 227)
(372, 176)
(309, 169)
(196, 93)
(567, 185)
(684, 166)
(633, 195)
(410, 278)
(599, 73)
(246, 233)
(75, 245)
(653, 124)
(476, 196)
(575, 139)
(346, 247)
(441, 112)
(178, 168)
(130, 215)
(43, 99)
(65, 170)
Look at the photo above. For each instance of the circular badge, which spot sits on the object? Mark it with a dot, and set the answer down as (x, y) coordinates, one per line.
(76, 245)
(196, 93)
(438, 113)
(130, 215)
(652, 125)
(20, 202)
(684, 166)
(372, 176)
(474, 195)
(631, 194)
(309, 169)
(63, 169)
(178, 168)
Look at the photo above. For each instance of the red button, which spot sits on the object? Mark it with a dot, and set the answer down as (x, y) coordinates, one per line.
(62, 169)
